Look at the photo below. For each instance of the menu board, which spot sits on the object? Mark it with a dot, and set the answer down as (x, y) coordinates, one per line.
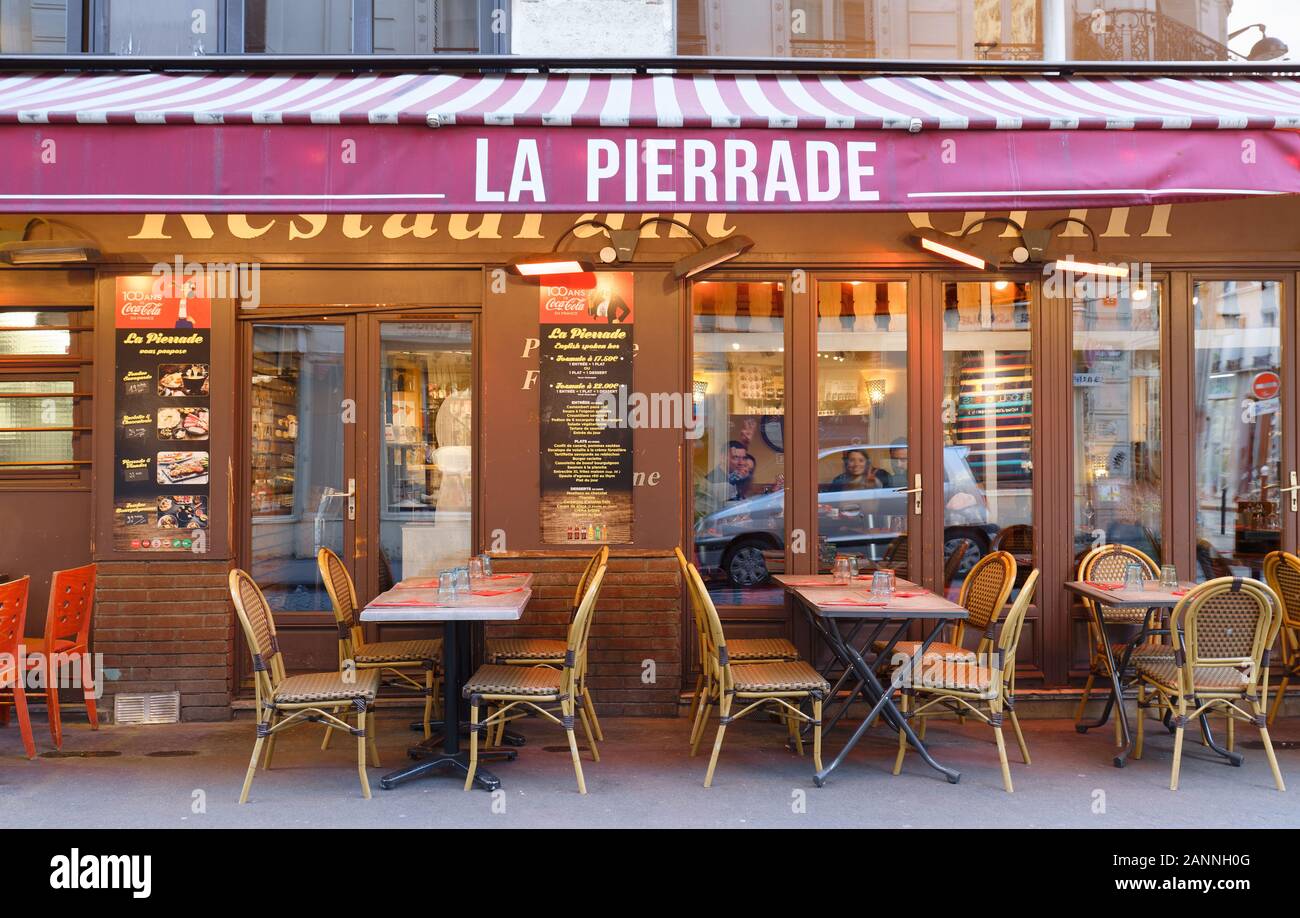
(586, 350)
(162, 413)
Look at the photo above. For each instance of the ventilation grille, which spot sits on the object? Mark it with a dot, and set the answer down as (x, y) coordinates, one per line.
(156, 708)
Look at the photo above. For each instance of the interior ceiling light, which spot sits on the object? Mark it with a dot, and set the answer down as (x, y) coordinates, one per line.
(52, 251)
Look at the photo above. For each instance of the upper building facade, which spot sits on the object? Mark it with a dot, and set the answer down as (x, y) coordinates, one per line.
(947, 30)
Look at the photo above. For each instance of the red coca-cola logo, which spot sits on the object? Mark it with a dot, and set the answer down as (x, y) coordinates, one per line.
(148, 310)
(562, 299)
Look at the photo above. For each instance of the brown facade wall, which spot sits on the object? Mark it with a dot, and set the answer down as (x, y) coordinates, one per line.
(166, 626)
(638, 619)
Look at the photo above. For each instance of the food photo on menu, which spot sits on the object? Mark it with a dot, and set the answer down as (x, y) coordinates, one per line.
(180, 466)
(182, 423)
(183, 512)
(177, 380)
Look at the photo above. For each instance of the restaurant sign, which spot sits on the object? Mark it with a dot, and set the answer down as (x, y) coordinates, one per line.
(161, 455)
(367, 168)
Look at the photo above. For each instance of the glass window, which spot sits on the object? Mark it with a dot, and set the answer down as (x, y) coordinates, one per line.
(26, 406)
(427, 451)
(298, 26)
(161, 27)
(1238, 449)
(34, 27)
(738, 462)
(1117, 445)
(28, 332)
(988, 422)
(862, 448)
(296, 454)
(426, 26)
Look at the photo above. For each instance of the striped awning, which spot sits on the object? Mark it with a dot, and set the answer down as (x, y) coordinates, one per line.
(817, 101)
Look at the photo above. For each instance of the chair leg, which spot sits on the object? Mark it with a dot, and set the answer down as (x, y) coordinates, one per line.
(24, 720)
(996, 721)
(270, 742)
(591, 711)
(695, 698)
(361, 752)
(1087, 692)
(1272, 758)
(817, 734)
(428, 702)
(1231, 731)
(905, 706)
(252, 770)
(586, 728)
(473, 745)
(329, 731)
(52, 709)
(372, 736)
(1179, 729)
(1020, 736)
(724, 709)
(701, 721)
(88, 690)
(573, 746)
(1281, 694)
(1141, 721)
(792, 727)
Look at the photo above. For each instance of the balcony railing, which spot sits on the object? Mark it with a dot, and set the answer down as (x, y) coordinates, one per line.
(1142, 35)
(820, 47)
(1008, 51)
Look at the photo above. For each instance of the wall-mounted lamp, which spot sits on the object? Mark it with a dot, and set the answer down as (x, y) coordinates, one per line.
(1267, 48)
(1030, 248)
(52, 251)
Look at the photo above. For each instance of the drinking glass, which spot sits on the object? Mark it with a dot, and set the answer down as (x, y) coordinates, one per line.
(1169, 577)
(446, 586)
(475, 569)
(880, 586)
(853, 567)
(842, 570)
(462, 580)
(1133, 577)
(893, 578)
(487, 564)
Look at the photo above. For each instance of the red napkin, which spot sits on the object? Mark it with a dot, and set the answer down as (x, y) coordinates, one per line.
(1105, 586)
(1179, 592)
(907, 595)
(495, 592)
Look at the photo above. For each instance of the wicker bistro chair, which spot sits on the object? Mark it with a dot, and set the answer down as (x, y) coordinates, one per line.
(284, 702)
(66, 640)
(541, 689)
(1282, 571)
(1222, 631)
(1107, 564)
(397, 658)
(983, 595)
(952, 564)
(13, 687)
(551, 651)
(742, 650)
(983, 687)
(781, 687)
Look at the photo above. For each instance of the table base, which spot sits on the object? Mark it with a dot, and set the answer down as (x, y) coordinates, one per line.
(455, 764)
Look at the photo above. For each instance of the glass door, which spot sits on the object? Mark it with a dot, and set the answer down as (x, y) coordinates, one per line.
(301, 481)
(865, 482)
(423, 490)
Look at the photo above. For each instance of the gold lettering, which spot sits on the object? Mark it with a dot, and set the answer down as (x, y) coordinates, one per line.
(489, 227)
(240, 228)
(315, 225)
(395, 227)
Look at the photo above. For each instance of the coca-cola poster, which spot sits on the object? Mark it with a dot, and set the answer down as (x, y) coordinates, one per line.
(586, 461)
(162, 412)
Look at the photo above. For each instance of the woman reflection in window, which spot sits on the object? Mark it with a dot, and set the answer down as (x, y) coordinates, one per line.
(858, 472)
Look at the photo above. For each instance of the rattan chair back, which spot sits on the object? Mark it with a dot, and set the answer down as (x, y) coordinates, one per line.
(952, 564)
(600, 558)
(575, 665)
(1282, 573)
(259, 629)
(1017, 538)
(1013, 625)
(1226, 623)
(343, 599)
(715, 650)
(1107, 564)
(984, 593)
(697, 609)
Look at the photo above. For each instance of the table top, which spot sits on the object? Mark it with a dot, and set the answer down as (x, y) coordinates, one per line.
(503, 599)
(837, 600)
(1152, 596)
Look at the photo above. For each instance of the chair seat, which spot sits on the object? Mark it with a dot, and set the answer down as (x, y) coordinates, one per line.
(311, 687)
(1148, 650)
(1204, 678)
(36, 645)
(789, 676)
(514, 680)
(963, 675)
(401, 652)
(938, 651)
(743, 649)
(1116, 616)
(526, 649)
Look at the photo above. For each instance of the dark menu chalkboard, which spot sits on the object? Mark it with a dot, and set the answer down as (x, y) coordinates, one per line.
(586, 464)
(161, 456)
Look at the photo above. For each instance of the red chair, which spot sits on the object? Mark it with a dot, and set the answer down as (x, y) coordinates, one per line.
(13, 617)
(67, 638)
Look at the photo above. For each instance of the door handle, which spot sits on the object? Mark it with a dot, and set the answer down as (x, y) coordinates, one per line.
(1295, 497)
(350, 494)
(916, 503)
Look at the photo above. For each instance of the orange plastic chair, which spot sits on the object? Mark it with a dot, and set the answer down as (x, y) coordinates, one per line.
(13, 618)
(67, 638)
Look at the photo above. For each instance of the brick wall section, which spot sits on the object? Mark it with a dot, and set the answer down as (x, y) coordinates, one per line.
(638, 618)
(166, 626)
